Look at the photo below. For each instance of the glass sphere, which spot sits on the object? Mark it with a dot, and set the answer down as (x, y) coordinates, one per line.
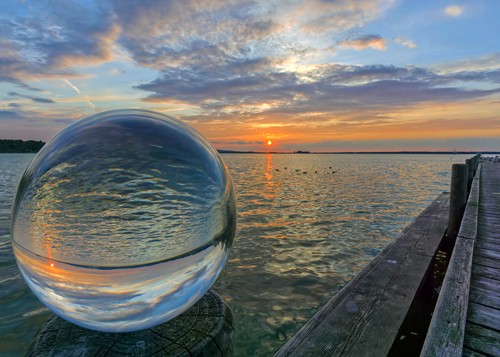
(123, 220)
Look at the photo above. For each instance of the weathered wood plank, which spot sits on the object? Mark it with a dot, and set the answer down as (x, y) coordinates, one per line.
(483, 315)
(470, 353)
(378, 298)
(447, 328)
(488, 272)
(487, 262)
(487, 253)
(484, 297)
(492, 285)
(490, 238)
(494, 245)
(481, 339)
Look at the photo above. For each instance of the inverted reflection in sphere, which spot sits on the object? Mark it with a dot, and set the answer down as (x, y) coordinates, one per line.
(123, 220)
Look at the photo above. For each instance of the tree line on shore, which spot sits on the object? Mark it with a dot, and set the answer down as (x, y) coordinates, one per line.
(20, 146)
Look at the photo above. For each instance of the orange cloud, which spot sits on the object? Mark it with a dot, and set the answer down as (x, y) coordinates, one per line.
(369, 41)
(454, 11)
(103, 53)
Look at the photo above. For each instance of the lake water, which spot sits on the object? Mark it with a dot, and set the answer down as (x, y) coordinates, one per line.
(306, 225)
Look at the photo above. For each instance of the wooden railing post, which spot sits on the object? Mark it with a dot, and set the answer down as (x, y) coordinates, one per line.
(471, 164)
(458, 198)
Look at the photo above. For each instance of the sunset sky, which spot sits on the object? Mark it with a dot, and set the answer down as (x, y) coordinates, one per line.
(329, 75)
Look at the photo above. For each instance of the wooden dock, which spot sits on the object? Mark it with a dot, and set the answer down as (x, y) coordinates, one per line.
(366, 317)
(482, 329)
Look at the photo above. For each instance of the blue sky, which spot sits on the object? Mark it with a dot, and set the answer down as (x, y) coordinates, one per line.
(321, 75)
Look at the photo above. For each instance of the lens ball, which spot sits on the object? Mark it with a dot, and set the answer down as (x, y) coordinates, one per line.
(123, 220)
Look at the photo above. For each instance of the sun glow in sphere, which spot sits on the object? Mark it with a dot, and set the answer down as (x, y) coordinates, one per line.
(123, 220)
(269, 142)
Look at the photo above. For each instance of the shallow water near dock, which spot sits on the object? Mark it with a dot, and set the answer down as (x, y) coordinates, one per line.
(306, 225)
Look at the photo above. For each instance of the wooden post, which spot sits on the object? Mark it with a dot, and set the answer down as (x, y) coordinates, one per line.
(458, 198)
(471, 171)
(203, 330)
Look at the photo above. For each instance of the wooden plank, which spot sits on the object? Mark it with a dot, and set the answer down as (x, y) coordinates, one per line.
(490, 239)
(487, 262)
(481, 339)
(447, 328)
(487, 253)
(495, 245)
(485, 271)
(470, 353)
(492, 285)
(484, 297)
(483, 315)
(378, 298)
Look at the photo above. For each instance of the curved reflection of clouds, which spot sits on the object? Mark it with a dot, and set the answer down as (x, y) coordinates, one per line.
(121, 299)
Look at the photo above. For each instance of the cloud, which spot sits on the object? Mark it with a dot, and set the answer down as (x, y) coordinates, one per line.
(454, 11)
(115, 71)
(374, 42)
(49, 41)
(173, 33)
(482, 63)
(26, 124)
(18, 83)
(33, 98)
(492, 76)
(405, 42)
(311, 98)
(319, 17)
(10, 114)
(13, 68)
(238, 142)
(52, 41)
(264, 63)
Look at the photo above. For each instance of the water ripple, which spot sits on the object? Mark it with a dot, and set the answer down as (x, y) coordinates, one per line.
(300, 237)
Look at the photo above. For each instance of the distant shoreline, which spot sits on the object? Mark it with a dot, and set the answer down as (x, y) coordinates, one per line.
(9, 146)
(363, 152)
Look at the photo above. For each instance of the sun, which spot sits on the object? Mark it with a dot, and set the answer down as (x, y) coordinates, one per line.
(269, 142)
